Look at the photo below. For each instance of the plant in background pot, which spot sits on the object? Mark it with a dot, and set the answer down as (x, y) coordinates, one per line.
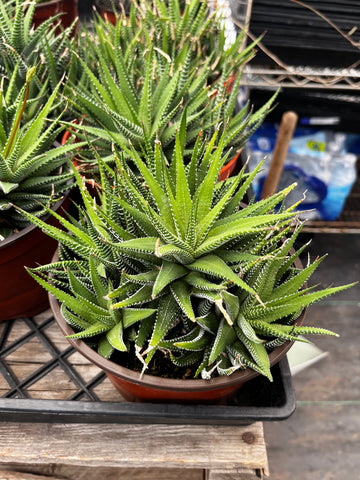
(168, 24)
(22, 47)
(32, 172)
(173, 277)
(139, 93)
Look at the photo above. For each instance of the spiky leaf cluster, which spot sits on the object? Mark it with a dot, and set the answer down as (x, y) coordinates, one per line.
(173, 263)
(167, 25)
(32, 171)
(143, 78)
(46, 47)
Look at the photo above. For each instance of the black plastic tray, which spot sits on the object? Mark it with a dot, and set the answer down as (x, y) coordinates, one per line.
(258, 400)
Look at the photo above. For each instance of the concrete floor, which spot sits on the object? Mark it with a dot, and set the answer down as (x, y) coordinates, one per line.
(321, 440)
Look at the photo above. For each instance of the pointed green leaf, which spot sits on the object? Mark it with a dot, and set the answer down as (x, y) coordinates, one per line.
(167, 313)
(232, 304)
(181, 293)
(147, 278)
(238, 351)
(92, 331)
(172, 252)
(247, 329)
(186, 359)
(198, 280)
(8, 187)
(213, 265)
(115, 337)
(225, 336)
(168, 273)
(134, 315)
(257, 351)
(197, 344)
(143, 295)
(104, 347)
(208, 322)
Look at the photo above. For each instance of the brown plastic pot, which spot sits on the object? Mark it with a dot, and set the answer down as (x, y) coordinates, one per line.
(20, 294)
(69, 8)
(146, 388)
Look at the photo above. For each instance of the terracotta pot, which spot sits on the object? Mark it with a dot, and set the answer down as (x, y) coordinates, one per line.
(147, 388)
(20, 294)
(47, 9)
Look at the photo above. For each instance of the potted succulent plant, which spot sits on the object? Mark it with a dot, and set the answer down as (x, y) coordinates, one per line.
(172, 276)
(32, 172)
(139, 92)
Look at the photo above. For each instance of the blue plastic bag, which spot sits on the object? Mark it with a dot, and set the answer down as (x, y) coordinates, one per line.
(320, 162)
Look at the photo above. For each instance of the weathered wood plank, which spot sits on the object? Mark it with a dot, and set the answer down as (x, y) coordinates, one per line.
(57, 472)
(240, 474)
(9, 475)
(151, 446)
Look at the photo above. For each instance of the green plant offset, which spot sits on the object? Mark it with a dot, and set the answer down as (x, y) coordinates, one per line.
(174, 264)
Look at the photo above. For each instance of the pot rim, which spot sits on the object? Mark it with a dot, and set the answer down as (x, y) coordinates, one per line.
(160, 383)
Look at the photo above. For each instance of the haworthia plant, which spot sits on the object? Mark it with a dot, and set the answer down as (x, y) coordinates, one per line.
(32, 171)
(175, 265)
(144, 77)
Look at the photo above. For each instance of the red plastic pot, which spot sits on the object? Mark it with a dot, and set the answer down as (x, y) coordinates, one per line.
(108, 16)
(69, 8)
(20, 294)
(147, 388)
(228, 169)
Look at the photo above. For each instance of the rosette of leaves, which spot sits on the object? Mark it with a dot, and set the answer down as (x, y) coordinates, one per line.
(174, 265)
(46, 47)
(167, 25)
(142, 96)
(32, 171)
